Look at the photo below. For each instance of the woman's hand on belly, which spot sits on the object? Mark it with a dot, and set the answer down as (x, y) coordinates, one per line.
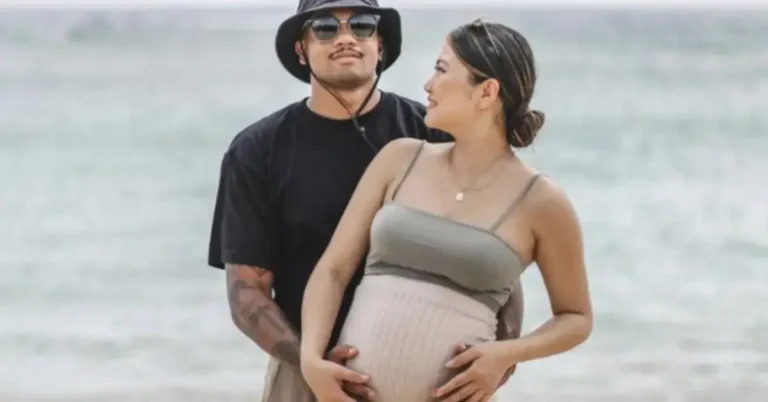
(341, 354)
(485, 365)
(327, 378)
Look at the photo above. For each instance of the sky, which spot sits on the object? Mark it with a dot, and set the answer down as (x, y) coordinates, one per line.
(394, 3)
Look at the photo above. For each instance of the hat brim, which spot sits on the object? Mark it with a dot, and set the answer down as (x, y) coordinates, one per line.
(288, 34)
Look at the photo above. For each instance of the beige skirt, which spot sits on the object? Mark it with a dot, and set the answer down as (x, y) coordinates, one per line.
(406, 331)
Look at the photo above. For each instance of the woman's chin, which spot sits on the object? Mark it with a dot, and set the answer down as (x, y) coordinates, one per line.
(432, 120)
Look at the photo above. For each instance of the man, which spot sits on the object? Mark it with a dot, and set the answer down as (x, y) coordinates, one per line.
(286, 179)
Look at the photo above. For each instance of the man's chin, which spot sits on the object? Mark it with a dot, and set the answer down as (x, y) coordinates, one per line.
(348, 82)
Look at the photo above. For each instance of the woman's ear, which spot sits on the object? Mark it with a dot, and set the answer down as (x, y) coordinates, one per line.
(489, 92)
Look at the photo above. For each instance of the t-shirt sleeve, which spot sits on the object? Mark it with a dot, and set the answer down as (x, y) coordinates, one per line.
(434, 135)
(243, 229)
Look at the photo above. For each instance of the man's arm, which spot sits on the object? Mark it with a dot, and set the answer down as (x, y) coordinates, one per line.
(510, 320)
(510, 315)
(244, 242)
(249, 289)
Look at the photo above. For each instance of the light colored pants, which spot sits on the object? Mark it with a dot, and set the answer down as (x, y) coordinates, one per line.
(285, 383)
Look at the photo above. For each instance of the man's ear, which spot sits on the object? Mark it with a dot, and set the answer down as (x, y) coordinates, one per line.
(297, 47)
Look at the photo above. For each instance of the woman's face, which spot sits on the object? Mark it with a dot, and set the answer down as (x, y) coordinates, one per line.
(451, 100)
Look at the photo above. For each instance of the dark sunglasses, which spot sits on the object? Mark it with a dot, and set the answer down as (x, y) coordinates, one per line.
(362, 26)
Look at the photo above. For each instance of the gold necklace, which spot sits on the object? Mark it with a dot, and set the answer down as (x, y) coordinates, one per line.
(460, 194)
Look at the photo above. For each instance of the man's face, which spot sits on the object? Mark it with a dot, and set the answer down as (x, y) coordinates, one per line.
(343, 48)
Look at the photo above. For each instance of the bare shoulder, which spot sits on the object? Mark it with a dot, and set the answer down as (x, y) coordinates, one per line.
(552, 207)
(397, 154)
(400, 148)
(403, 150)
(547, 190)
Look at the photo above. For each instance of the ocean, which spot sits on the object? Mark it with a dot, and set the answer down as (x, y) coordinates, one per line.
(113, 123)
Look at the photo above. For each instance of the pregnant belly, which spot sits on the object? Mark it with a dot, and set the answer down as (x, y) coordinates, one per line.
(406, 330)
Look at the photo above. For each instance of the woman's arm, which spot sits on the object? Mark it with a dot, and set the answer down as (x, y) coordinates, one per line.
(560, 257)
(346, 249)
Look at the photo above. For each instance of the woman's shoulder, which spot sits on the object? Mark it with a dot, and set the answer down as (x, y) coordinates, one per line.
(399, 151)
(402, 145)
(404, 151)
(543, 191)
(409, 145)
(550, 202)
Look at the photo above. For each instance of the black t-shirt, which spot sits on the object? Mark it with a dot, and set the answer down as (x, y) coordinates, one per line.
(285, 182)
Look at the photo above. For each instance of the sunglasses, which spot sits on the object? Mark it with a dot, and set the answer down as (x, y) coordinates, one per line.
(362, 26)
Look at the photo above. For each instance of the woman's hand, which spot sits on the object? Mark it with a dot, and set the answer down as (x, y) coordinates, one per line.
(486, 366)
(341, 354)
(327, 378)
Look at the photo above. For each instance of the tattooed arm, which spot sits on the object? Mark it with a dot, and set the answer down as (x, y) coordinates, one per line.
(255, 313)
(243, 241)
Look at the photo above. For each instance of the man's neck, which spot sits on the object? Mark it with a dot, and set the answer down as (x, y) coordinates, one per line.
(325, 104)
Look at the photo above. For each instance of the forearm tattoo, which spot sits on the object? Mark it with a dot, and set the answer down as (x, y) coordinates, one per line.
(287, 351)
(258, 317)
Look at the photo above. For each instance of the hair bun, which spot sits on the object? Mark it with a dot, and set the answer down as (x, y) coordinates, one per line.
(523, 134)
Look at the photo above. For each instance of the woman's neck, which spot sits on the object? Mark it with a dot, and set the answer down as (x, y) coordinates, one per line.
(474, 150)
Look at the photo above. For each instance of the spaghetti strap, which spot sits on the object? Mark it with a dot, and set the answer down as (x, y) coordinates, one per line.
(408, 170)
(515, 202)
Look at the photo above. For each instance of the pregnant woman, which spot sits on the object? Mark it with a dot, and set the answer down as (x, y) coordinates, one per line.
(448, 228)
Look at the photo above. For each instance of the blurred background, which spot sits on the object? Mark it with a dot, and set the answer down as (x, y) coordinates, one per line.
(113, 121)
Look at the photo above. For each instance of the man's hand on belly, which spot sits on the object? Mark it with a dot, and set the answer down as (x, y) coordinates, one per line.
(340, 354)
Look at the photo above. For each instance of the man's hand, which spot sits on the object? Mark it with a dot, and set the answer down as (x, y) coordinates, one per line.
(339, 355)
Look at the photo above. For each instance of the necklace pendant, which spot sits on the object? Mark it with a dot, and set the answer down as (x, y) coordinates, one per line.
(460, 196)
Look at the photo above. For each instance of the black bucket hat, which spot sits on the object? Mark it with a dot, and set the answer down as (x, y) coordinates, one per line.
(289, 30)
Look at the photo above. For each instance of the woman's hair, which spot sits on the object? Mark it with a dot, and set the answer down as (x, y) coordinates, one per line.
(491, 50)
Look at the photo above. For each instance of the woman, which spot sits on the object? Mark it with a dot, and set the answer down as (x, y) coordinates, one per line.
(448, 228)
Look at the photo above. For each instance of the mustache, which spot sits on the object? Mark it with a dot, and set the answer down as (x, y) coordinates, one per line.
(345, 53)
